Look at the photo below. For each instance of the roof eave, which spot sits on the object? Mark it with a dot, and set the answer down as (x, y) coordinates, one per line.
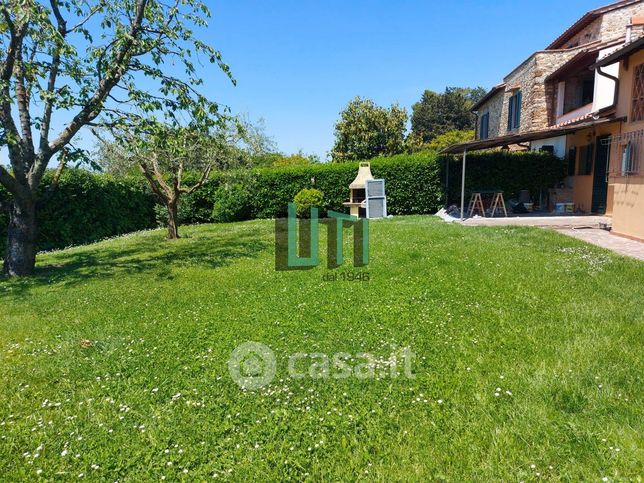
(520, 138)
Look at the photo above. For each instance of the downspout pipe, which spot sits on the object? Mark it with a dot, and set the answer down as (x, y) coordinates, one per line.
(616, 81)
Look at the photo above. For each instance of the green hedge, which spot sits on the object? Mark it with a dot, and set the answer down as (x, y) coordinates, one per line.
(412, 183)
(510, 172)
(88, 207)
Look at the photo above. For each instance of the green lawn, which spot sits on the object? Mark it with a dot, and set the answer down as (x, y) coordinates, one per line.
(554, 324)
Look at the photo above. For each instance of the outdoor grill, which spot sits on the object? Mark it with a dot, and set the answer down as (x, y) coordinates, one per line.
(367, 195)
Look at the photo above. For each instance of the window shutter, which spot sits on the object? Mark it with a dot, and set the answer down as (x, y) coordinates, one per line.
(485, 122)
(572, 160)
(627, 159)
(510, 112)
(517, 109)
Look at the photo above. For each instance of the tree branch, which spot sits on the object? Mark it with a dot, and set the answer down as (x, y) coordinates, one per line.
(51, 82)
(93, 107)
(202, 180)
(11, 184)
(54, 181)
(152, 181)
(22, 99)
(17, 34)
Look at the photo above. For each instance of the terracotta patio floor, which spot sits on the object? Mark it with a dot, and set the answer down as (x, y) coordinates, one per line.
(603, 238)
(588, 228)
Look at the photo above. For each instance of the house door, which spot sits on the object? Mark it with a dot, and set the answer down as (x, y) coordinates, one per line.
(600, 180)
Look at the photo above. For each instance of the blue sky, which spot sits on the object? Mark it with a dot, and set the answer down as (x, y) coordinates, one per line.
(298, 63)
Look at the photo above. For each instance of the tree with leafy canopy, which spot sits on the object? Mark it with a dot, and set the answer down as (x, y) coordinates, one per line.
(165, 153)
(366, 130)
(415, 143)
(83, 63)
(437, 114)
(239, 143)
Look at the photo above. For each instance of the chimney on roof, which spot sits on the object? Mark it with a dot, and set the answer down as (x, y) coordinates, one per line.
(636, 20)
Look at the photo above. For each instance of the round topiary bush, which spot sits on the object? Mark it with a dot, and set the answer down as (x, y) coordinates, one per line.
(307, 198)
(232, 203)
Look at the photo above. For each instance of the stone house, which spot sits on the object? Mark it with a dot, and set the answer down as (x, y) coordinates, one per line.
(565, 99)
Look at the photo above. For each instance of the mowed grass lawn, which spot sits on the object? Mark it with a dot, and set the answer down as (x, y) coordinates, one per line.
(528, 360)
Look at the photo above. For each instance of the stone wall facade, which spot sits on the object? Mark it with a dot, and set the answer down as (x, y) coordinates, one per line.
(589, 34)
(493, 106)
(538, 97)
(613, 24)
(529, 78)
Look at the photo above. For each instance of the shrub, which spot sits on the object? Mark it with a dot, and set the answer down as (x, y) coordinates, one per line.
(305, 199)
(232, 203)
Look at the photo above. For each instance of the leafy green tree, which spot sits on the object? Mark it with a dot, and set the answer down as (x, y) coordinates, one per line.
(296, 159)
(165, 153)
(415, 143)
(88, 59)
(366, 130)
(438, 113)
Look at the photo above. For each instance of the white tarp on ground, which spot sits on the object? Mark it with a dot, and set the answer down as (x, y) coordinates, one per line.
(443, 215)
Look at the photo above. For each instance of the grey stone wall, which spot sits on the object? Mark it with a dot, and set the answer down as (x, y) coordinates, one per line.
(538, 99)
(589, 34)
(613, 24)
(494, 105)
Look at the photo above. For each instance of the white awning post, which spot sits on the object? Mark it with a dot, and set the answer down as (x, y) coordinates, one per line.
(463, 186)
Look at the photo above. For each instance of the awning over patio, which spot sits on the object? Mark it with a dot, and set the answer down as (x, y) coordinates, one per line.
(522, 138)
(463, 148)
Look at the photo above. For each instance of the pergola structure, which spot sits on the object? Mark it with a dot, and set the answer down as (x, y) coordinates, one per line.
(513, 139)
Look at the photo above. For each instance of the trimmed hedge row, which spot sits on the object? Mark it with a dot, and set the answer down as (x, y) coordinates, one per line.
(509, 172)
(87, 207)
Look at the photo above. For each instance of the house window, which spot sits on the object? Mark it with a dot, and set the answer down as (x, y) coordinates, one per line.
(514, 111)
(629, 159)
(585, 160)
(572, 160)
(637, 111)
(485, 126)
(578, 90)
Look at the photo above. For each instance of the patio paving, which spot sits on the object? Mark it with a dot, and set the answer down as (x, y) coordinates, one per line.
(576, 221)
(603, 238)
(589, 228)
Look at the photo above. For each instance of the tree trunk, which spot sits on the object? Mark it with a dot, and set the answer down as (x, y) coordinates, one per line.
(173, 222)
(20, 258)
